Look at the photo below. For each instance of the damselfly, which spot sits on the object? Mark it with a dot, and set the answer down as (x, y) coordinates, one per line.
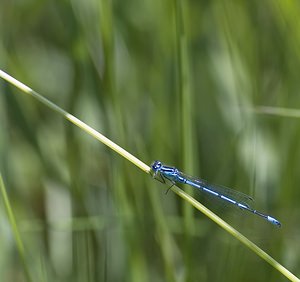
(231, 197)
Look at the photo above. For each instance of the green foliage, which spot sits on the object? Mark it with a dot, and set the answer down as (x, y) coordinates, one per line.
(169, 80)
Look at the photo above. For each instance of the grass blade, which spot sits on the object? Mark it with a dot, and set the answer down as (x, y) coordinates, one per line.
(15, 229)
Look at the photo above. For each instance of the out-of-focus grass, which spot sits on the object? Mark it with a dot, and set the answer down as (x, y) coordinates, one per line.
(142, 166)
(115, 65)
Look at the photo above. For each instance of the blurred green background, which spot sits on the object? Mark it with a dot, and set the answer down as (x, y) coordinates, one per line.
(178, 81)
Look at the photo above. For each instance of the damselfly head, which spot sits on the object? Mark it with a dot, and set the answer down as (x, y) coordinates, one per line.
(155, 166)
(155, 171)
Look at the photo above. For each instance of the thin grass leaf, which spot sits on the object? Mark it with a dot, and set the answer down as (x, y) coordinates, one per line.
(277, 111)
(15, 229)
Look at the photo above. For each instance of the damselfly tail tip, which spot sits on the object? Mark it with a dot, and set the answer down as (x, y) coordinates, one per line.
(274, 221)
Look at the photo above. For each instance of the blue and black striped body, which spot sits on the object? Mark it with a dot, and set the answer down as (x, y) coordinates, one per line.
(162, 173)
